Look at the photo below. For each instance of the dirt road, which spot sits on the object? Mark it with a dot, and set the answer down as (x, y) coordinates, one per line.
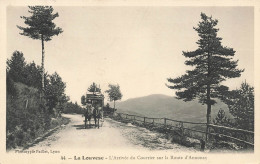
(111, 136)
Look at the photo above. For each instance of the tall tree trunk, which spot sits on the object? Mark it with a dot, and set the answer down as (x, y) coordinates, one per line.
(42, 64)
(114, 105)
(208, 96)
(208, 110)
(208, 105)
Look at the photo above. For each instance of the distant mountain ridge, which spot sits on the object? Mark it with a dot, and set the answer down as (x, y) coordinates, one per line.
(159, 105)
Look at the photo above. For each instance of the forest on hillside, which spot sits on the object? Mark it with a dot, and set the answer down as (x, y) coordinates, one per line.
(28, 114)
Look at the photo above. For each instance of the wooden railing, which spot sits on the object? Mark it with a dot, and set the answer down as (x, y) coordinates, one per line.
(249, 135)
(204, 129)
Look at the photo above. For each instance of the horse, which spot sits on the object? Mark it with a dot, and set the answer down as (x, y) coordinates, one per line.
(97, 115)
(88, 114)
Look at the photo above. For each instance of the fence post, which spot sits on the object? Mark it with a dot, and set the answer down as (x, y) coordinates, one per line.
(246, 146)
(207, 131)
(134, 118)
(144, 120)
(26, 104)
(165, 122)
(181, 128)
(203, 145)
(126, 116)
(153, 121)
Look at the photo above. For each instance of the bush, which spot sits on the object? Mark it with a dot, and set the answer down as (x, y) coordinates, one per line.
(71, 107)
(26, 116)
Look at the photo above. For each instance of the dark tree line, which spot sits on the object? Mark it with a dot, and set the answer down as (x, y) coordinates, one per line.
(30, 74)
(20, 71)
(28, 113)
(71, 107)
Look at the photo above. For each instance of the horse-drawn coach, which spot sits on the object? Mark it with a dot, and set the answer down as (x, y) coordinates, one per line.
(94, 109)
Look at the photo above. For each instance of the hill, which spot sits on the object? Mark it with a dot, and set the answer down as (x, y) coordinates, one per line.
(158, 105)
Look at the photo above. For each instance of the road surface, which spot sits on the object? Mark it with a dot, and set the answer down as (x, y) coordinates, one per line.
(112, 135)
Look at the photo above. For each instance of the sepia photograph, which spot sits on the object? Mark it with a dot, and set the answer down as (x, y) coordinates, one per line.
(155, 84)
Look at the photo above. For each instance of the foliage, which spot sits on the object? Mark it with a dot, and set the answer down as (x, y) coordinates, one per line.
(20, 71)
(222, 119)
(40, 23)
(10, 88)
(30, 74)
(71, 107)
(83, 100)
(114, 93)
(241, 105)
(94, 88)
(40, 26)
(33, 75)
(26, 116)
(108, 109)
(54, 92)
(220, 139)
(16, 67)
(213, 64)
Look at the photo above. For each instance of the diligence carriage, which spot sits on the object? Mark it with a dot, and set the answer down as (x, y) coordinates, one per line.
(95, 109)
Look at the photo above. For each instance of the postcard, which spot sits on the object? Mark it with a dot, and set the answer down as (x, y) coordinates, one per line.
(129, 82)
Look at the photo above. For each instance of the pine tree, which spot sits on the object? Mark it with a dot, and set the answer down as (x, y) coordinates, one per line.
(94, 88)
(16, 67)
(55, 91)
(222, 119)
(213, 64)
(241, 105)
(33, 73)
(41, 27)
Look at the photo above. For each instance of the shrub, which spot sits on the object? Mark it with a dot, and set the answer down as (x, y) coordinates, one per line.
(26, 116)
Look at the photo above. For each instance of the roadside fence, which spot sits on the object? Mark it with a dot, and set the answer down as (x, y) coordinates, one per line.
(201, 131)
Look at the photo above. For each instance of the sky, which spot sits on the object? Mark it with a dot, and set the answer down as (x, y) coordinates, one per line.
(135, 47)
